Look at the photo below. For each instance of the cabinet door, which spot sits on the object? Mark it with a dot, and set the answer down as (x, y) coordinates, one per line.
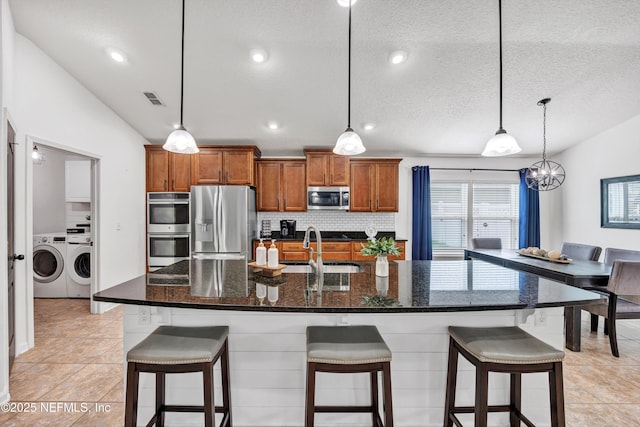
(268, 188)
(316, 170)
(157, 169)
(294, 190)
(77, 180)
(180, 172)
(386, 193)
(361, 187)
(238, 167)
(339, 170)
(206, 167)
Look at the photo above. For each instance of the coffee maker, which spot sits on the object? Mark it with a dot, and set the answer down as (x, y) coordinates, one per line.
(287, 229)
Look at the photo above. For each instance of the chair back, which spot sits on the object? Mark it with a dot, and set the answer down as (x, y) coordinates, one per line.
(625, 278)
(613, 254)
(486, 243)
(580, 251)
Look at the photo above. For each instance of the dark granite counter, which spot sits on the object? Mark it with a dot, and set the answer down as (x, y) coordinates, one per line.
(346, 236)
(412, 286)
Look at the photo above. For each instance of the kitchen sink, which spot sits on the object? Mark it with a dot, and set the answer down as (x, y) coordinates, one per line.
(328, 268)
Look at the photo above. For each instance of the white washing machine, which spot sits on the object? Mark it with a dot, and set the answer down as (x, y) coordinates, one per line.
(78, 265)
(49, 265)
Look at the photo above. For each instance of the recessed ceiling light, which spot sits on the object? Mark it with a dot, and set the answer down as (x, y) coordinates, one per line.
(368, 126)
(259, 55)
(345, 3)
(117, 55)
(398, 57)
(273, 125)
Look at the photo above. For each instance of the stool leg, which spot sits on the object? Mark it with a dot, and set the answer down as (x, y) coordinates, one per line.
(556, 395)
(482, 391)
(160, 382)
(131, 399)
(388, 404)
(310, 401)
(375, 407)
(209, 406)
(226, 386)
(515, 406)
(452, 373)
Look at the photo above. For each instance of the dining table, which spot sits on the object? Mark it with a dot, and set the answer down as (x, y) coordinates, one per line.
(592, 275)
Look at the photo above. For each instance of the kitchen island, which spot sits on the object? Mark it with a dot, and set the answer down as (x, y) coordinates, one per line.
(412, 309)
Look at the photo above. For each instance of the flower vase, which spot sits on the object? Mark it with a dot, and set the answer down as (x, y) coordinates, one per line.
(382, 266)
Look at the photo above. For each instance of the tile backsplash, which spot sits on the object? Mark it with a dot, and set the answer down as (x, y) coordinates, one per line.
(331, 220)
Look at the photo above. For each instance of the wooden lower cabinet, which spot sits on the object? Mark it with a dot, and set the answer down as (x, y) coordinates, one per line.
(331, 251)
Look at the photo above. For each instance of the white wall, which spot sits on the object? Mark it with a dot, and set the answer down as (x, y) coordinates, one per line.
(615, 152)
(48, 193)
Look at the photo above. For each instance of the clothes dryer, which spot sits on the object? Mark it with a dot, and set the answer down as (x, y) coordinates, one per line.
(79, 265)
(49, 262)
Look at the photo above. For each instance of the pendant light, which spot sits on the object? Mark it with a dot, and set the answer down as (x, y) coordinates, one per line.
(546, 174)
(181, 141)
(501, 144)
(349, 143)
(37, 156)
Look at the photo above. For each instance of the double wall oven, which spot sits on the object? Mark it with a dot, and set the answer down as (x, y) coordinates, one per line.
(168, 228)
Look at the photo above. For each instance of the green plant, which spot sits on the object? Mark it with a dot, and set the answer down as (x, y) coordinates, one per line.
(381, 247)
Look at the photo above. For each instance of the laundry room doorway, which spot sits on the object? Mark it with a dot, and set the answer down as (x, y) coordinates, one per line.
(64, 207)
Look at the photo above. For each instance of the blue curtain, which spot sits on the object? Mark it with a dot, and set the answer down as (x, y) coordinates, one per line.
(529, 230)
(421, 245)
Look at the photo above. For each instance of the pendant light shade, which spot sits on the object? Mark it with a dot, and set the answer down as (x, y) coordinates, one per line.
(544, 175)
(501, 144)
(180, 141)
(349, 143)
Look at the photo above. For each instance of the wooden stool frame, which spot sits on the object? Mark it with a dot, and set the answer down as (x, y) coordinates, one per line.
(481, 409)
(373, 368)
(209, 409)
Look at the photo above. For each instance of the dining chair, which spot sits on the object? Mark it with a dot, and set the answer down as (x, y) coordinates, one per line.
(613, 254)
(486, 243)
(580, 251)
(624, 282)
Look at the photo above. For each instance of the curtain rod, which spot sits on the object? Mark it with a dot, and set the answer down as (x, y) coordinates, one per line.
(474, 169)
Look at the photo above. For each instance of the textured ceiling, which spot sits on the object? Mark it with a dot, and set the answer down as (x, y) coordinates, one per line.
(584, 54)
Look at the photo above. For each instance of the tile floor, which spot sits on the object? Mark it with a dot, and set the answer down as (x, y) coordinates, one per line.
(78, 359)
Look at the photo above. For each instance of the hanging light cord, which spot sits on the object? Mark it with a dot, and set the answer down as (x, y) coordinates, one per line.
(349, 79)
(544, 131)
(182, 67)
(500, 38)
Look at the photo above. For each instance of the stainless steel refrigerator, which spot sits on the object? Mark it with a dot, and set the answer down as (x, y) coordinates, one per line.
(223, 219)
(223, 226)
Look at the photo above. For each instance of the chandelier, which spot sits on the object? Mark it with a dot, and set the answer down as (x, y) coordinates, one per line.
(546, 174)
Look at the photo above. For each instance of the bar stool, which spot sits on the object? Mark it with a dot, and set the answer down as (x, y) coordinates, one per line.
(176, 349)
(503, 349)
(349, 349)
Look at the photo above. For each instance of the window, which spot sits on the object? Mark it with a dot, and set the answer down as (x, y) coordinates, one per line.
(620, 202)
(462, 210)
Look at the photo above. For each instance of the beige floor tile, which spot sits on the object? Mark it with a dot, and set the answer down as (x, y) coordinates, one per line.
(42, 418)
(103, 415)
(89, 384)
(116, 394)
(39, 380)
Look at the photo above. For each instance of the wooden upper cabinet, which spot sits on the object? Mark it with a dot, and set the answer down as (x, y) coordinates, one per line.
(268, 188)
(326, 169)
(374, 185)
(157, 168)
(224, 166)
(280, 186)
(167, 171)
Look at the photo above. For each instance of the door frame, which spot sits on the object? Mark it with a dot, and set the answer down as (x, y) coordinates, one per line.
(28, 341)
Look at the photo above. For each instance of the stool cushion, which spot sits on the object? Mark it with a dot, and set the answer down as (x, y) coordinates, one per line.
(176, 345)
(346, 345)
(507, 345)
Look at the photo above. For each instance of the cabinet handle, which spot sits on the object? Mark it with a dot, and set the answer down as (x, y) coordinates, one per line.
(369, 204)
(377, 204)
(219, 176)
(324, 178)
(165, 185)
(227, 177)
(331, 178)
(173, 184)
(285, 204)
(278, 204)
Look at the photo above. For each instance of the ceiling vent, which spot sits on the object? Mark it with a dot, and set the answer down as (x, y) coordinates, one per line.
(153, 98)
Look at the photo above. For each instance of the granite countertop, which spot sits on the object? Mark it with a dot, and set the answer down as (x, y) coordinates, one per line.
(412, 286)
(346, 236)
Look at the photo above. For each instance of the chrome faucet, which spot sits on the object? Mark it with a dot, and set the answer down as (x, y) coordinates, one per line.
(317, 264)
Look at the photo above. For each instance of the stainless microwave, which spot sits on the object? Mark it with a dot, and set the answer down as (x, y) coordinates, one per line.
(168, 213)
(329, 198)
